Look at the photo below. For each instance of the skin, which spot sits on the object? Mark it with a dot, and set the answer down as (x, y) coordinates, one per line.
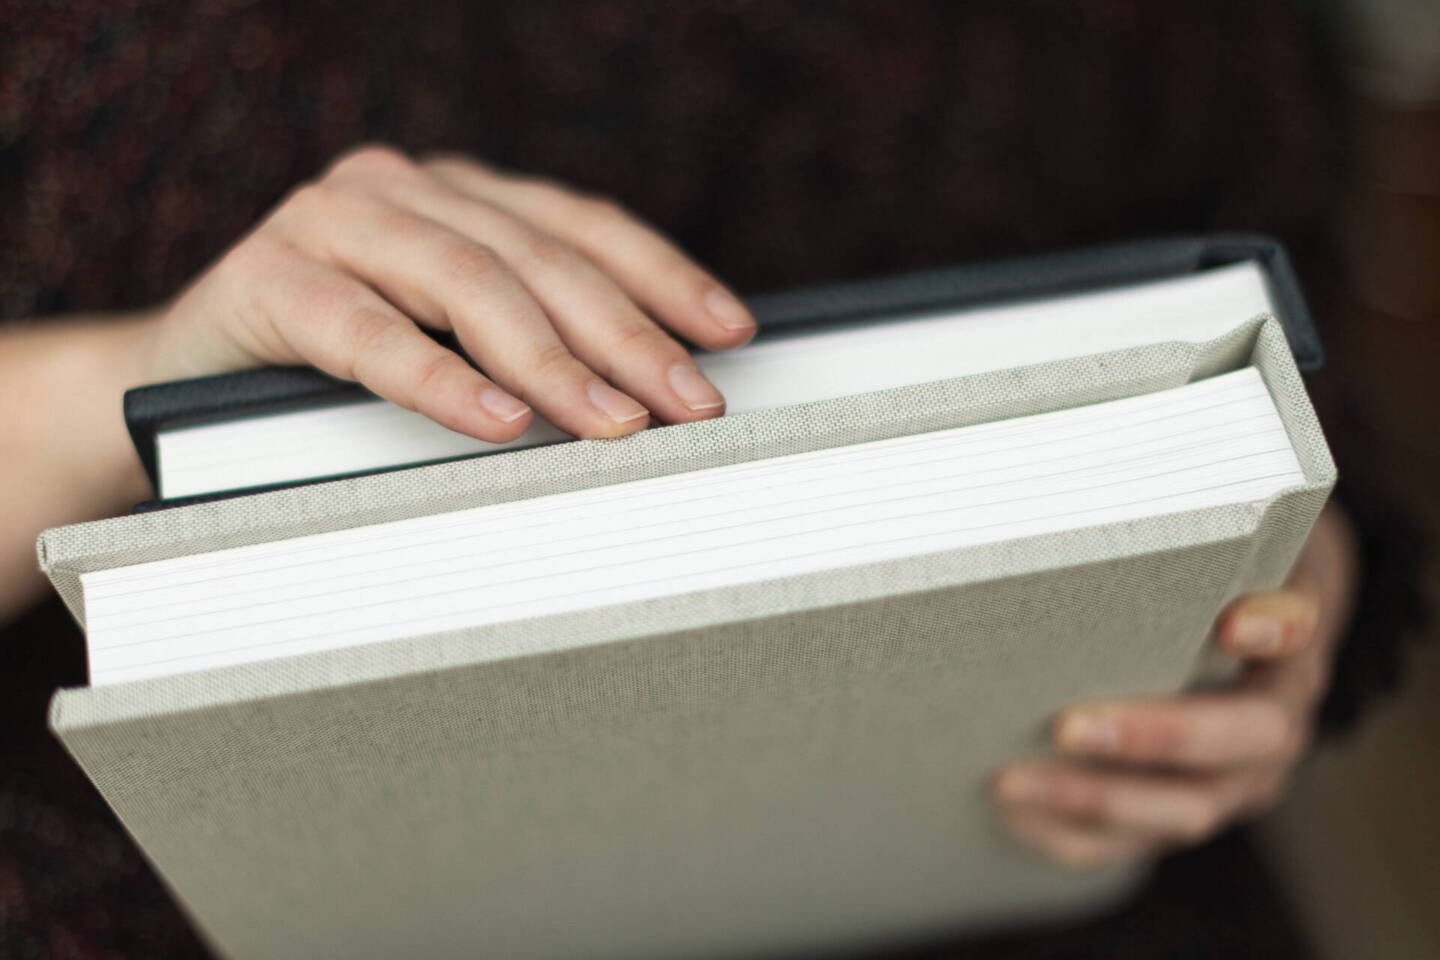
(573, 308)
(1136, 778)
(570, 304)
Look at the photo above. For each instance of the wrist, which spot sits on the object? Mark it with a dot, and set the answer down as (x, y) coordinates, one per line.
(138, 341)
(130, 344)
(99, 359)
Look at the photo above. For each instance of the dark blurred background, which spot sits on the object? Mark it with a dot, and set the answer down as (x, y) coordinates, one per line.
(787, 144)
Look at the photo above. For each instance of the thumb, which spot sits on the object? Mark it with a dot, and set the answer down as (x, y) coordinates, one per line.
(1274, 625)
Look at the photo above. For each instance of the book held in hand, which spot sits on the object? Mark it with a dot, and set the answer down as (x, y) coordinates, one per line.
(726, 688)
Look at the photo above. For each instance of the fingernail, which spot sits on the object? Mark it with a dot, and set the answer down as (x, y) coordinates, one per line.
(502, 406)
(693, 389)
(1257, 635)
(727, 311)
(1021, 786)
(614, 404)
(1089, 731)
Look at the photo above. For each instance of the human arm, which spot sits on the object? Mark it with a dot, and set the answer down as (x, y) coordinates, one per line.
(570, 306)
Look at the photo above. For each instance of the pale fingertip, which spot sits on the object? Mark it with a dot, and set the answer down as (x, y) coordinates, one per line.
(727, 311)
(618, 407)
(1088, 731)
(1028, 787)
(502, 406)
(1257, 635)
(1270, 624)
(697, 393)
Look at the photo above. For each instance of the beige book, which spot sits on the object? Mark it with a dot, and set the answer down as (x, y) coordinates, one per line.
(728, 688)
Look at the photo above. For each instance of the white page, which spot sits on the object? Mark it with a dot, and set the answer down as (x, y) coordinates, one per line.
(1210, 443)
(789, 369)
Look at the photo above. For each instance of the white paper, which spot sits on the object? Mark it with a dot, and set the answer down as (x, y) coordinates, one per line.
(1210, 443)
(820, 365)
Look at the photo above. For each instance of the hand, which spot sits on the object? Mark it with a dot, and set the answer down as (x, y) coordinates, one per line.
(563, 300)
(1139, 777)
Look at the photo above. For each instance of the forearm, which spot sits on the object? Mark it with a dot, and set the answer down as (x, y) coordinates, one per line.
(65, 455)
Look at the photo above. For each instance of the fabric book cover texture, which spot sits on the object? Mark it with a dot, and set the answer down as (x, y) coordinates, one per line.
(789, 765)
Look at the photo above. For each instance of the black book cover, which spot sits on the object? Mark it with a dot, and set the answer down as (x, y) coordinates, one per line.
(152, 409)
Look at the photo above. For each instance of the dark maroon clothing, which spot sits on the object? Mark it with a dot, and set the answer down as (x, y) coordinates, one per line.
(783, 144)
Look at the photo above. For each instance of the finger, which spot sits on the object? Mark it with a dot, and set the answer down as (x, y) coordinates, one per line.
(594, 317)
(1168, 807)
(1076, 846)
(446, 280)
(684, 297)
(346, 329)
(1199, 732)
(1269, 625)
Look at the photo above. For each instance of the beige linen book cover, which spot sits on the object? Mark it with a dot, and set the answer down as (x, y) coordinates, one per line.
(790, 765)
